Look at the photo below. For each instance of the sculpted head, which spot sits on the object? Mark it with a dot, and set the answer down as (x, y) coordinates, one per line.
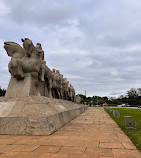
(39, 46)
(12, 48)
(57, 71)
(67, 83)
(54, 70)
(28, 46)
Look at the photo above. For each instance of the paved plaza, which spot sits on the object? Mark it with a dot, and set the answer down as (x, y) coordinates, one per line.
(93, 134)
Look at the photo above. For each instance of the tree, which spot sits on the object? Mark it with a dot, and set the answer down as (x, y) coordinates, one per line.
(2, 92)
(139, 91)
(133, 93)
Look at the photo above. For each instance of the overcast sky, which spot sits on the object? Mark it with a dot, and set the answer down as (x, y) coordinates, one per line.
(96, 44)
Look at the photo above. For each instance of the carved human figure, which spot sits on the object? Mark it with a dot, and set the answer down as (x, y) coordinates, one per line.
(71, 93)
(35, 56)
(48, 79)
(54, 84)
(43, 63)
(31, 61)
(59, 84)
(65, 89)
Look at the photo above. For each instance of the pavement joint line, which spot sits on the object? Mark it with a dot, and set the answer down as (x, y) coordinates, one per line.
(35, 148)
(59, 149)
(98, 144)
(18, 144)
(114, 148)
(85, 149)
(123, 145)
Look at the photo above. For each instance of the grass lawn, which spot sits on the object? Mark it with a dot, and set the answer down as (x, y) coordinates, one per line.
(133, 134)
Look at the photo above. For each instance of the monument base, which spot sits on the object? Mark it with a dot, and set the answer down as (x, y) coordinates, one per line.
(36, 115)
(25, 87)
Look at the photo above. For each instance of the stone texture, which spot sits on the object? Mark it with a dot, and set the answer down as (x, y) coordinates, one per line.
(48, 149)
(36, 115)
(100, 152)
(22, 88)
(126, 153)
(31, 76)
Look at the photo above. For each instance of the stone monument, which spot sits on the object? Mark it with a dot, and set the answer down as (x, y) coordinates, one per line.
(38, 101)
(130, 123)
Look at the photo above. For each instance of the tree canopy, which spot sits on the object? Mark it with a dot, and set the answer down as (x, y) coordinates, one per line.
(132, 97)
(2, 92)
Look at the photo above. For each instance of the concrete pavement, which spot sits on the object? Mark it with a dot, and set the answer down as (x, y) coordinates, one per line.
(93, 134)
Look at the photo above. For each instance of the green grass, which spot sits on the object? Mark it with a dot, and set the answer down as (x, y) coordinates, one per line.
(133, 134)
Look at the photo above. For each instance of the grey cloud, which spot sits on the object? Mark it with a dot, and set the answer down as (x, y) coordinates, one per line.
(95, 44)
(39, 12)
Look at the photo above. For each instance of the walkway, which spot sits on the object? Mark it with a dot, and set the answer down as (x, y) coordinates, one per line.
(93, 134)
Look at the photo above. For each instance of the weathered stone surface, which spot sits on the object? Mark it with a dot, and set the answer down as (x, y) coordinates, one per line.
(36, 115)
(31, 76)
(22, 88)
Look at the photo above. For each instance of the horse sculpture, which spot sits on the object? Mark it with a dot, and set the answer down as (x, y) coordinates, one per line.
(15, 51)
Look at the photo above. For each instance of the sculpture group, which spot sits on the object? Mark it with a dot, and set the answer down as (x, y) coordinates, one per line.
(29, 71)
(29, 107)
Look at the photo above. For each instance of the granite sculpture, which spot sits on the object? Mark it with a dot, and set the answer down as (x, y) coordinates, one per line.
(38, 100)
(30, 73)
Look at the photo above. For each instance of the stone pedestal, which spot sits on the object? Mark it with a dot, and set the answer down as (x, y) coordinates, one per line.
(24, 87)
(43, 90)
(36, 115)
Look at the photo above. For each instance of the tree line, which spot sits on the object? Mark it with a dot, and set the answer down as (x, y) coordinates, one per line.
(2, 91)
(132, 97)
